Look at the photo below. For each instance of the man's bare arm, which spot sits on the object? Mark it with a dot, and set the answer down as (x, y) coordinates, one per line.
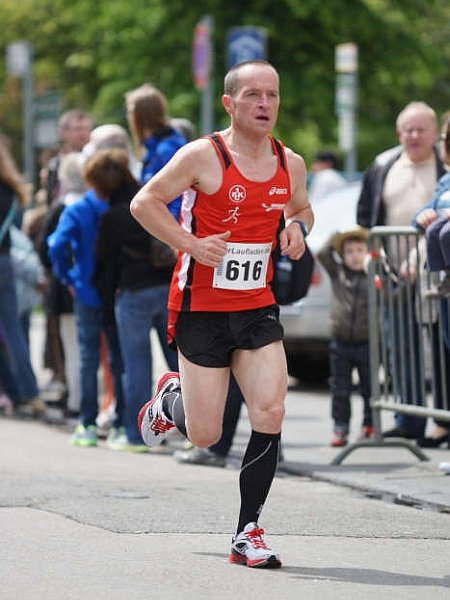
(149, 206)
(297, 209)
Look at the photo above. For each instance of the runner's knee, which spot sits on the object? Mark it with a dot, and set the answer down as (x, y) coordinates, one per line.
(202, 438)
(268, 418)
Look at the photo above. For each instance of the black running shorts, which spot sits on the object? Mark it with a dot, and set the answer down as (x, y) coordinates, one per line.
(209, 338)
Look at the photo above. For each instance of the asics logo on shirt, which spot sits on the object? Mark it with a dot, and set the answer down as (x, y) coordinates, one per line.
(237, 193)
(276, 191)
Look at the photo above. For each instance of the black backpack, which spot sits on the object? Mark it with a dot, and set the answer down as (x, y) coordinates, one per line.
(291, 278)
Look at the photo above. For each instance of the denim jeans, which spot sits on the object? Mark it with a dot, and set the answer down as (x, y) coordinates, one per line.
(343, 358)
(8, 380)
(20, 363)
(89, 327)
(137, 311)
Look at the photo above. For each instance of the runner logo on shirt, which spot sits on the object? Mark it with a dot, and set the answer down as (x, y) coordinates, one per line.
(237, 193)
(233, 215)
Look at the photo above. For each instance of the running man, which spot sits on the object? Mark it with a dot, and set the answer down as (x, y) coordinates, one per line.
(222, 312)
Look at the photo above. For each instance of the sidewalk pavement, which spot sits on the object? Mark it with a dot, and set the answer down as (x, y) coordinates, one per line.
(391, 473)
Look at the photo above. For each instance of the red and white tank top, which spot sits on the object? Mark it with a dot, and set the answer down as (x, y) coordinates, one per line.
(251, 210)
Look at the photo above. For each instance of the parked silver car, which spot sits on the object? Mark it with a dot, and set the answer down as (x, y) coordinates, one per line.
(306, 323)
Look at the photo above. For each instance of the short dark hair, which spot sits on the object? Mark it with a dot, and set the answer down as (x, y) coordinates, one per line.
(74, 115)
(106, 170)
(327, 156)
(231, 84)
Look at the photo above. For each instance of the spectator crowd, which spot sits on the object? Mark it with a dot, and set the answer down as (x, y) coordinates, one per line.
(73, 249)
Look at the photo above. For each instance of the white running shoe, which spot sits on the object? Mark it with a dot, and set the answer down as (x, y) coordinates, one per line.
(248, 548)
(152, 422)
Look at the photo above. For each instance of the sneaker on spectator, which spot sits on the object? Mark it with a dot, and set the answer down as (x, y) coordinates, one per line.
(114, 434)
(152, 422)
(120, 443)
(340, 438)
(6, 405)
(84, 436)
(123, 445)
(55, 392)
(31, 409)
(106, 417)
(367, 432)
(248, 548)
(200, 456)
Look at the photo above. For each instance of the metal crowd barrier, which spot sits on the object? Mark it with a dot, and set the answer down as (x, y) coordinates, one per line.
(408, 329)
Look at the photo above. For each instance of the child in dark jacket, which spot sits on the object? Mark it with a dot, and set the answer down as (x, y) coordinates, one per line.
(343, 258)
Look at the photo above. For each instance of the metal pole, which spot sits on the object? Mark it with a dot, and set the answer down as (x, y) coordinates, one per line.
(346, 101)
(28, 133)
(206, 115)
(350, 154)
(207, 99)
(19, 62)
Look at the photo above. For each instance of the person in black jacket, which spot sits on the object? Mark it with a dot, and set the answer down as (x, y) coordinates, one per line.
(399, 182)
(133, 282)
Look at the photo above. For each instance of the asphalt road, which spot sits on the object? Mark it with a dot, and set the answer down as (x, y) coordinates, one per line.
(106, 525)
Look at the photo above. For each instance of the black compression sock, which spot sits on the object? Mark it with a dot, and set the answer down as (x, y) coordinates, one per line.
(174, 409)
(257, 472)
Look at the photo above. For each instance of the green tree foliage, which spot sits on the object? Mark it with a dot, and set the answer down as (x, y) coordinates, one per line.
(95, 51)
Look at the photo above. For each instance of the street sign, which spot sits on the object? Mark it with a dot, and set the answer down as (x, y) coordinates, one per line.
(245, 43)
(345, 92)
(346, 58)
(47, 110)
(18, 58)
(201, 53)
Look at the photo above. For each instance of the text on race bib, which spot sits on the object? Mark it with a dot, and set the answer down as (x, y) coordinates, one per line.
(244, 267)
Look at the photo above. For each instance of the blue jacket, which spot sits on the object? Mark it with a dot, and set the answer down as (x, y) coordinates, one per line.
(71, 246)
(160, 148)
(440, 198)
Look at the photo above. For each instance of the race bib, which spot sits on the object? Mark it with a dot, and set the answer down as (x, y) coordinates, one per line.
(244, 267)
